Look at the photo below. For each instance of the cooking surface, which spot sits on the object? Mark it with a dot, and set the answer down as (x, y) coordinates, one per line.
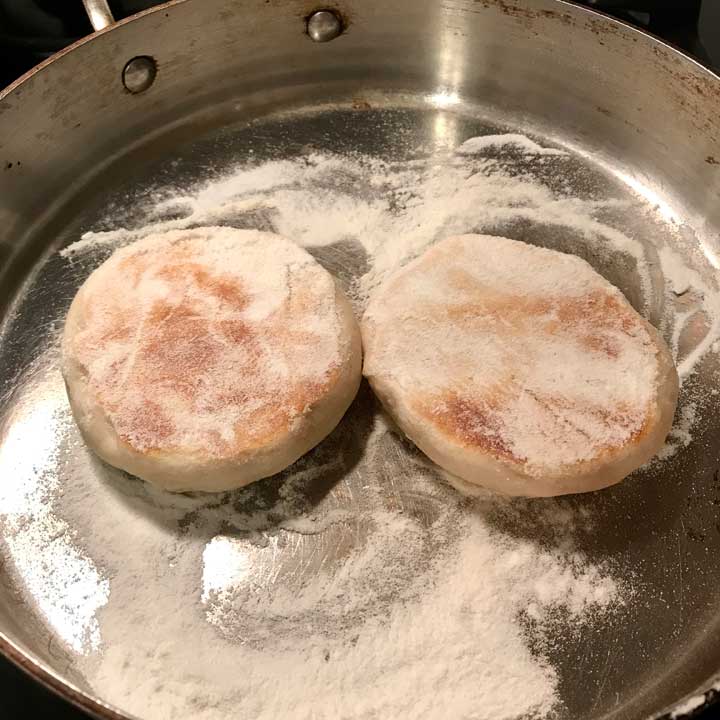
(665, 537)
(655, 530)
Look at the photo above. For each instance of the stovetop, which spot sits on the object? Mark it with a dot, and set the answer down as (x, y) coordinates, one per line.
(32, 30)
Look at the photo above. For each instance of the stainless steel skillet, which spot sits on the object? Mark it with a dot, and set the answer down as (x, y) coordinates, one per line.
(201, 81)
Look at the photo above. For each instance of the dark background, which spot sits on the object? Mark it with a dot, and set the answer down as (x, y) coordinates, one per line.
(32, 30)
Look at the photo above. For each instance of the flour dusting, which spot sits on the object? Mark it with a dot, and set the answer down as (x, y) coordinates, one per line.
(342, 207)
(359, 584)
(218, 609)
(522, 143)
(211, 357)
(393, 211)
(513, 381)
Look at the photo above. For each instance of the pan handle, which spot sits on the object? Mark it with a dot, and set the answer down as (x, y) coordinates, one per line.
(99, 13)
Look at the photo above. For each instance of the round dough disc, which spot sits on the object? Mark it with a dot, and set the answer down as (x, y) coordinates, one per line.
(207, 359)
(518, 368)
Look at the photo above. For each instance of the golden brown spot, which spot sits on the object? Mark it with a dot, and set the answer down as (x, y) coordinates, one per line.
(478, 422)
(261, 425)
(185, 273)
(133, 269)
(595, 317)
(600, 344)
(148, 421)
(593, 320)
(179, 342)
(633, 421)
(236, 331)
(119, 332)
(474, 422)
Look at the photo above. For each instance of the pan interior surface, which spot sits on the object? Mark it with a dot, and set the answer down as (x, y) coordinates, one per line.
(653, 535)
(296, 593)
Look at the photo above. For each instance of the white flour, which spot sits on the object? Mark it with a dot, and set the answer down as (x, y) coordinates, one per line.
(703, 303)
(689, 706)
(393, 211)
(416, 620)
(245, 616)
(522, 143)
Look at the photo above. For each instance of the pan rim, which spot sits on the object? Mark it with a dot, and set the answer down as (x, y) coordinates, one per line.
(15, 84)
(49, 679)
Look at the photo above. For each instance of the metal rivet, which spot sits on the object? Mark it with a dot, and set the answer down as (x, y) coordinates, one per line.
(324, 25)
(139, 74)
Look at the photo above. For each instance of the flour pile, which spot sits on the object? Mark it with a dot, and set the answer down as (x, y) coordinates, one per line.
(389, 211)
(215, 611)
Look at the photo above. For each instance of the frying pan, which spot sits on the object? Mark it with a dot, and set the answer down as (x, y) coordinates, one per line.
(188, 85)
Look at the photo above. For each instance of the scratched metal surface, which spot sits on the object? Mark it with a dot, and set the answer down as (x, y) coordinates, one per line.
(661, 527)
